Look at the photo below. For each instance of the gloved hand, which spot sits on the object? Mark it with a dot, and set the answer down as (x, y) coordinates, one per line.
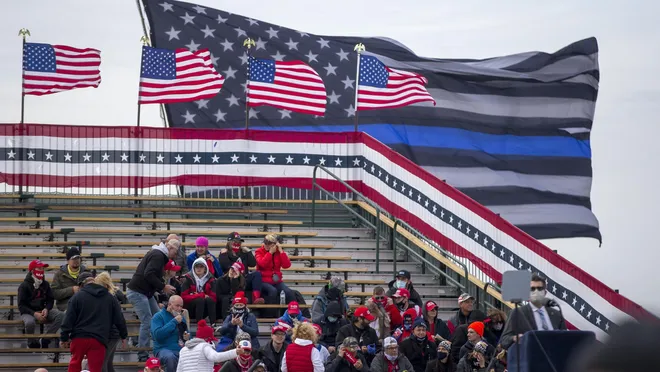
(371, 349)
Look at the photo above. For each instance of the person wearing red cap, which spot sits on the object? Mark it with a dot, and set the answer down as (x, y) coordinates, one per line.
(234, 252)
(388, 317)
(271, 259)
(35, 303)
(199, 355)
(273, 352)
(401, 300)
(475, 334)
(152, 365)
(232, 282)
(198, 291)
(169, 276)
(202, 251)
(325, 354)
(239, 320)
(290, 317)
(403, 332)
(436, 326)
(361, 330)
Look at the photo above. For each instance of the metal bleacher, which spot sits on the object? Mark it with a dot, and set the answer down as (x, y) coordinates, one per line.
(351, 239)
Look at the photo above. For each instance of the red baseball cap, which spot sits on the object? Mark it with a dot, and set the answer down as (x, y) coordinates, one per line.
(171, 266)
(293, 308)
(401, 292)
(430, 305)
(363, 312)
(319, 330)
(36, 264)
(152, 363)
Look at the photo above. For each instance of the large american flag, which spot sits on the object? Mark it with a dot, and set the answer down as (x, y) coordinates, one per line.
(51, 69)
(289, 85)
(381, 87)
(168, 76)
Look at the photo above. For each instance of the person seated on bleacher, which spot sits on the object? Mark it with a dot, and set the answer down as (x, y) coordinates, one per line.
(146, 281)
(244, 361)
(476, 360)
(436, 326)
(273, 352)
(403, 281)
(361, 331)
(406, 329)
(239, 320)
(498, 363)
(292, 316)
(301, 355)
(494, 326)
(180, 257)
(390, 359)
(199, 355)
(333, 319)
(466, 313)
(65, 281)
(169, 277)
(475, 334)
(90, 317)
(419, 347)
(386, 313)
(228, 285)
(347, 358)
(443, 362)
(331, 292)
(202, 251)
(198, 291)
(402, 301)
(152, 365)
(234, 252)
(166, 329)
(458, 339)
(36, 304)
(318, 345)
(271, 259)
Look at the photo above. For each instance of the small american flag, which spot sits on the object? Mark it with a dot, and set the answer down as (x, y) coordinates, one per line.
(289, 85)
(169, 76)
(51, 69)
(383, 87)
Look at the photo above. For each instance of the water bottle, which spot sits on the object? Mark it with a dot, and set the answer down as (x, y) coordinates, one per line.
(282, 298)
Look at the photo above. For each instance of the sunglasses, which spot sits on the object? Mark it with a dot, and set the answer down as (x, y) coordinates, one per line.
(539, 288)
(379, 298)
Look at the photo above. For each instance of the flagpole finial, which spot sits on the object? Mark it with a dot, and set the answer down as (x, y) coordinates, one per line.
(249, 43)
(144, 40)
(24, 32)
(359, 48)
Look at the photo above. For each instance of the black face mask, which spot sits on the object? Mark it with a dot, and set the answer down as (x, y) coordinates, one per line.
(442, 355)
(236, 311)
(420, 339)
(401, 305)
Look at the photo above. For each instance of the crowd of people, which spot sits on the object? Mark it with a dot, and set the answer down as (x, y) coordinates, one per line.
(395, 331)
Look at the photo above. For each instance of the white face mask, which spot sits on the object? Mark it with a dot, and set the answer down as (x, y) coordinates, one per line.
(536, 297)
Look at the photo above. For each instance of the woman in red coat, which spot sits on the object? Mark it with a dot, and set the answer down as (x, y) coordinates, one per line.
(271, 259)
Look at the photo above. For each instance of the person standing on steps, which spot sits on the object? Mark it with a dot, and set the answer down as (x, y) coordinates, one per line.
(234, 252)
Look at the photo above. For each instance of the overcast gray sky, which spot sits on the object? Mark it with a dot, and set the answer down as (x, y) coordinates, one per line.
(625, 156)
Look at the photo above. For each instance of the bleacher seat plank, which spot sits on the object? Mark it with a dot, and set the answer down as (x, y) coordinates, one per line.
(186, 232)
(179, 199)
(146, 209)
(152, 220)
(140, 255)
(136, 244)
(286, 280)
(133, 268)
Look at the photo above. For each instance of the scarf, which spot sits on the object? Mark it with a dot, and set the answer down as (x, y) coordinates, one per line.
(74, 274)
(244, 362)
(37, 282)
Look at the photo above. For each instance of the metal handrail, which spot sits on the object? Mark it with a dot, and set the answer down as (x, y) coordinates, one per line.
(376, 227)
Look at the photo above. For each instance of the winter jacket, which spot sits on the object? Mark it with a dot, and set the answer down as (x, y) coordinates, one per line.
(404, 332)
(227, 259)
(419, 353)
(250, 326)
(321, 302)
(269, 264)
(465, 366)
(227, 286)
(460, 319)
(199, 356)
(388, 318)
(212, 265)
(164, 331)
(337, 364)
(302, 356)
(62, 286)
(31, 300)
(286, 319)
(148, 277)
(380, 363)
(180, 260)
(365, 336)
(458, 339)
(414, 296)
(436, 366)
(468, 347)
(272, 361)
(496, 365)
(189, 291)
(329, 329)
(92, 312)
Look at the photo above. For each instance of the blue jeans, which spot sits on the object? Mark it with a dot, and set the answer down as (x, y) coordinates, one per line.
(275, 289)
(145, 307)
(169, 359)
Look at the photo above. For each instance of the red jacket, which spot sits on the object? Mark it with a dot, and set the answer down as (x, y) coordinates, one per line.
(395, 316)
(269, 264)
(299, 358)
(189, 289)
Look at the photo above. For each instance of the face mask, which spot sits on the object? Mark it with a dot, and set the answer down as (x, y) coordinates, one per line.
(498, 326)
(237, 311)
(402, 305)
(400, 284)
(236, 246)
(420, 339)
(390, 357)
(332, 319)
(38, 274)
(407, 324)
(382, 302)
(536, 297)
(442, 355)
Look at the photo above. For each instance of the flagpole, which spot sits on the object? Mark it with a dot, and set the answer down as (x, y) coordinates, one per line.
(359, 48)
(145, 41)
(24, 32)
(248, 43)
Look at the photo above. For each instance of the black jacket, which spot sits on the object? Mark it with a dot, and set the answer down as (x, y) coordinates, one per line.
(522, 320)
(458, 339)
(330, 329)
(419, 353)
(227, 259)
(267, 355)
(336, 364)
(31, 300)
(366, 336)
(414, 296)
(92, 312)
(436, 366)
(226, 286)
(459, 319)
(468, 347)
(148, 277)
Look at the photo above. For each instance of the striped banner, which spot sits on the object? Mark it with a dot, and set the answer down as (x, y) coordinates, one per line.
(75, 156)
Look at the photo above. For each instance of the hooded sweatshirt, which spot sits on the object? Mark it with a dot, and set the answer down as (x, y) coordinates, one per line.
(199, 356)
(148, 277)
(195, 287)
(30, 299)
(330, 328)
(92, 313)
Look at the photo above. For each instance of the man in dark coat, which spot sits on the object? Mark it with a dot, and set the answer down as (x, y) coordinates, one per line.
(362, 331)
(273, 352)
(466, 313)
(418, 348)
(65, 281)
(403, 281)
